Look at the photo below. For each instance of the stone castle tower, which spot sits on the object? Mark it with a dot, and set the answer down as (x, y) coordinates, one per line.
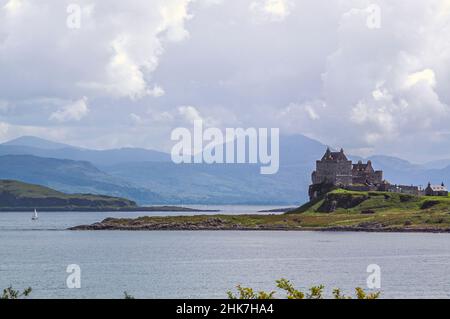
(334, 168)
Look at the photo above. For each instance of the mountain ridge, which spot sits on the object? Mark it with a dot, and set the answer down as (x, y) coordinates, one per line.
(70, 176)
(155, 179)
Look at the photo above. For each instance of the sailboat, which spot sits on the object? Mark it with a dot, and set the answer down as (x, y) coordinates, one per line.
(35, 215)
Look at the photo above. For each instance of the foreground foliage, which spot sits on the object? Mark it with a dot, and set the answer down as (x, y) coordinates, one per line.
(128, 296)
(315, 292)
(10, 293)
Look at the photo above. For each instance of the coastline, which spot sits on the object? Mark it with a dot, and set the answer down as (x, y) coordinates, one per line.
(338, 211)
(215, 224)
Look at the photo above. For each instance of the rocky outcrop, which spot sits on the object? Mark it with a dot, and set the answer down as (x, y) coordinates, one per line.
(335, 201)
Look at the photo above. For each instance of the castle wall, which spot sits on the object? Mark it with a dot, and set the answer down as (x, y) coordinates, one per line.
(364, 173)
(334, 168)
(404, 189)
(378, 178)
(334, 172)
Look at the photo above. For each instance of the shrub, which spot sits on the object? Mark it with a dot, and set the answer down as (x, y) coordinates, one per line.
(10, 293)
(315, 292)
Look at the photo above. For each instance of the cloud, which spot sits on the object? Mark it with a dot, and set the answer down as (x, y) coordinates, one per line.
(333, 78)
(427, 76)
(9, 131)
(13, 5)
(271, 10)
(136, 119)
(72, 112)
(384, 85)
(190, 113)
(113, 53)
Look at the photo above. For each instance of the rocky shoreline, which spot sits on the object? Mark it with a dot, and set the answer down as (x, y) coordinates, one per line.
(218, 224)
(208, 224)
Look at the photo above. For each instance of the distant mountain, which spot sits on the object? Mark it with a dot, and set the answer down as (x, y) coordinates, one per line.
(299, 149)
(217, 184)
(399, 171)
(36, 142)
(130, 173)
(393, 163)
(28, 145)
(150, 177)
(439, 164)
(230, 183)
(70, 176)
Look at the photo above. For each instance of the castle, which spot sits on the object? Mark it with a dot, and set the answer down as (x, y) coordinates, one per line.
(334, 169)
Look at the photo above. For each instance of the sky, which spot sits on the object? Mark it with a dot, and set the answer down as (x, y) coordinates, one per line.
(370, 76)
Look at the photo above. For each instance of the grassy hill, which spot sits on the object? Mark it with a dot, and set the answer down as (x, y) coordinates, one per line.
(377, 211)
(17, 196)
(351, 202)
(339, 210)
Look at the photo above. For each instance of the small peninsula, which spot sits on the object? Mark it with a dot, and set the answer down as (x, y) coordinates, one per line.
(338, 210)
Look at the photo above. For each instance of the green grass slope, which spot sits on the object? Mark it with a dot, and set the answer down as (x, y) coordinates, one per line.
(349, 202)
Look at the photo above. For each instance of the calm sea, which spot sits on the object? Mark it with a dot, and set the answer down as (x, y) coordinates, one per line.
(208, 264)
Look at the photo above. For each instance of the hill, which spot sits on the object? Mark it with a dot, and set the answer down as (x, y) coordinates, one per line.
(351, 202)
(16, 196)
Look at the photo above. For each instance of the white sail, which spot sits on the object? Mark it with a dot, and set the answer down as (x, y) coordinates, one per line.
(35, 215)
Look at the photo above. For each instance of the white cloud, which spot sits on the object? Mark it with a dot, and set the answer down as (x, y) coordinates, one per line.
(427, 76)
(113, 53)
(385, 85)
(186, 115)
(13, 6)
(157, 91)
(271, 10)
(190, 113)
(72, 112)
